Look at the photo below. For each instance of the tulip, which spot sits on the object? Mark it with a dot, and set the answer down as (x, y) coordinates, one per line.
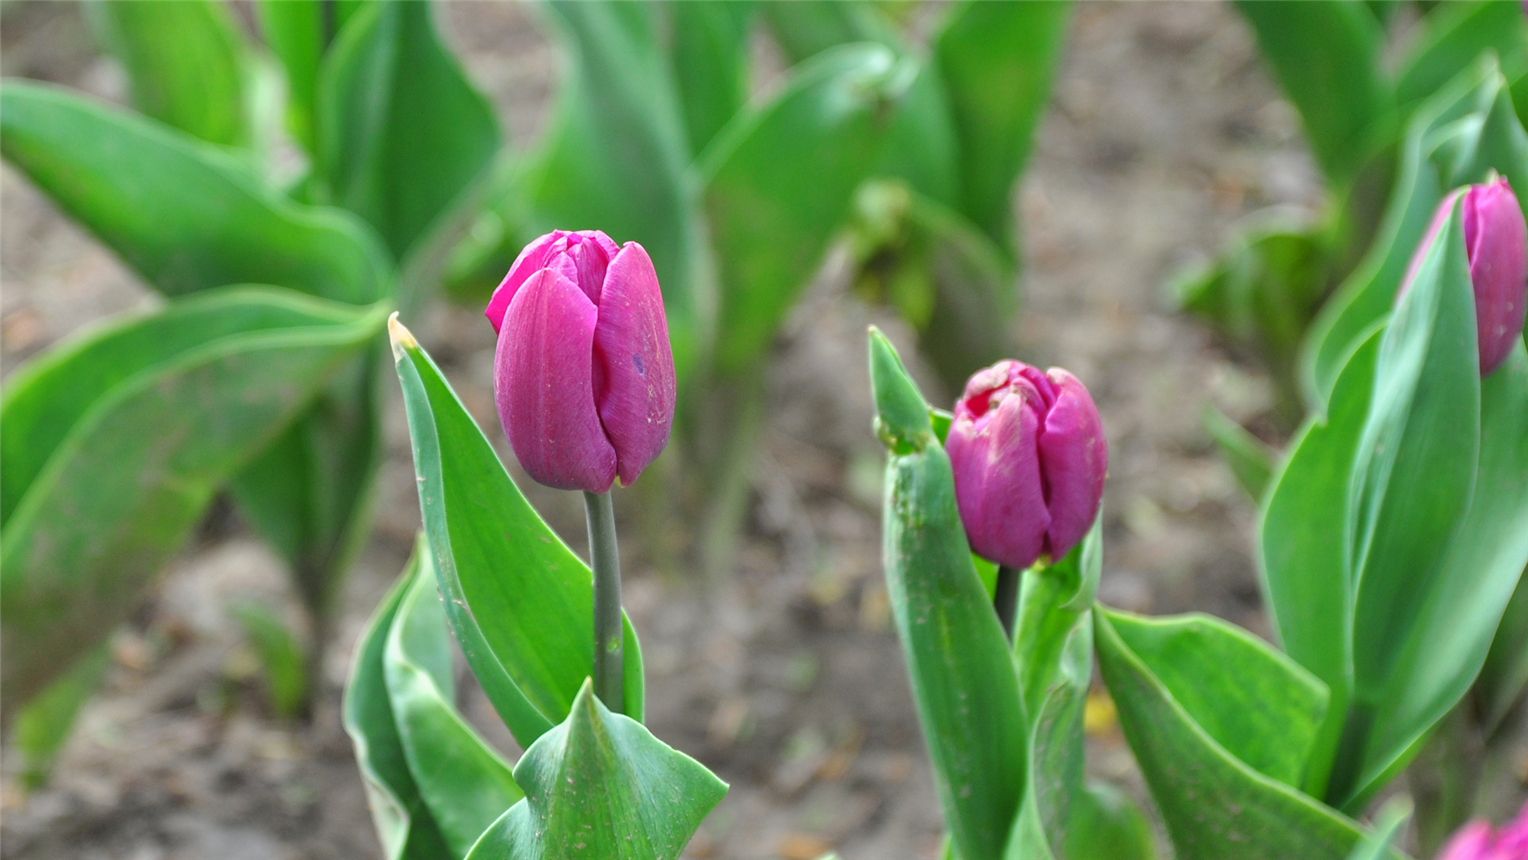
(1029, 457)
(583, 375)
(1477, 841)
(1496, 242)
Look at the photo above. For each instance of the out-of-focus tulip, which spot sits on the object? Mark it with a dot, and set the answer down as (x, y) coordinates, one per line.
(583, 375)
(1496, 241)
(1477, 841)
(1029, 457)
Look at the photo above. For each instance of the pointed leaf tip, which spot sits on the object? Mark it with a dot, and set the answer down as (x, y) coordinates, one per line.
(400, 336)
(902, 416)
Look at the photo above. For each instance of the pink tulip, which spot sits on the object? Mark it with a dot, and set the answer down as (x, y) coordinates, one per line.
(1477, 841)
(1029, 456)
(1496, 240)
(583, 374)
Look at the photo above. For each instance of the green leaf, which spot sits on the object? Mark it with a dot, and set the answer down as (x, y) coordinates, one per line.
(463, 782)
(600, 785)
(115, 444)
(186, 63)
(1459, 610)
(403, 822)
(1249, 458)
(1018, 44)
(308, 493)
(520, 603)
(778, 184)
(806, 28)
(1453, 36)
(298, 32)
(615, 156)
(1504, 675)
(1389, 827)
(963, 680)
(1326, 54)
(1214, 805)
(185, 215)
(1413, 478)
(710, 56)
(1105, 825)
(281, 656)
(42, 725)
(400, 130)
(1302, 544)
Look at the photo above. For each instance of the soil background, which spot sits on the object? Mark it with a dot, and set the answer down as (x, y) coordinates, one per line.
(787, 680)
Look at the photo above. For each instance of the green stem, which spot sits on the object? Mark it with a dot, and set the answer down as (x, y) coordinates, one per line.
(1005, 598)
(606, 561)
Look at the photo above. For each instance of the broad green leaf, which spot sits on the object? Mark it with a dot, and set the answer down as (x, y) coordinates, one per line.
(921, 148)
(806, 28)
(963, 679)
(42, 726)
(298, 33)
(463, 782)
(399, 813)
(1302, 545)
(1412, 478)
(979, 44)
(1505, 673)
(1455, 138)
(1460, 610)
(115, 444)
(615, 155)
(520, 603)
(1249, 458)
(1215, 806)
(281, 656)
(186, 63)
(710, 56)
(1453, 36)
(308, 492)
(400, 130)
(778, 184)
(600, 785)
(1326, 54)
(1389, 827)
(1105, 825)
(1053, 648)
(185, 215)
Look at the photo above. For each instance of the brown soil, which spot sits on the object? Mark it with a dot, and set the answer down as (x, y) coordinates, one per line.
(788, 681)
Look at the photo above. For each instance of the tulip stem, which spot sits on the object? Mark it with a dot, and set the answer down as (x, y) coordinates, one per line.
(1005, 598)
(606, 561)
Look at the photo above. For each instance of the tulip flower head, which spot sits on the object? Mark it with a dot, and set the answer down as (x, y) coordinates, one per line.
(583, 374)
(1477, 841)
(1496, 240)
(1029, 457)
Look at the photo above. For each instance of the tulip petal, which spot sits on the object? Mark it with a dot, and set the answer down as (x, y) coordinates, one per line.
(1470, 842)
(544, 387)
(1074, 457)
(634, 375)
(1497, 240)
(531, 258)
(997, 481)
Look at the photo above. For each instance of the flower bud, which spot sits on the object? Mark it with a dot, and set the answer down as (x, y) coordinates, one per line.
(1496, 241)
(1029, 457)
(1477, 841)
(583, 375)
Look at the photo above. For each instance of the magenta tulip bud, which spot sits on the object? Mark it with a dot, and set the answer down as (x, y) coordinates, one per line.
(1477, 841)
(583, 375)
(1029, 457)
(1496, 241)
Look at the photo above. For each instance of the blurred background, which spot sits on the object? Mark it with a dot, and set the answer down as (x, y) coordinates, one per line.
(1162, 132)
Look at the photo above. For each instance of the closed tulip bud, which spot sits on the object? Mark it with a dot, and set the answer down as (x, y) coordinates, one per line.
(583, 375)
(1029, 457)
(1496, 241)
(1477, 841)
